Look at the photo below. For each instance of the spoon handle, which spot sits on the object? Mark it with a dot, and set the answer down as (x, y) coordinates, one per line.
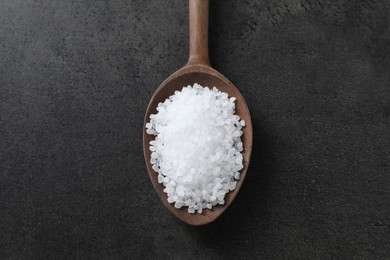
(199, 29)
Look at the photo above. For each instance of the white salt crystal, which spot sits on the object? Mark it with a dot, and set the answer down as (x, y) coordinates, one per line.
(232, 185)
(236, 133)
(197, 148)
(238, 160)
(178, 205)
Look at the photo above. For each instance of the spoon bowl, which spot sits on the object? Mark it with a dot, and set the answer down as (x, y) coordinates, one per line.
(198, 70)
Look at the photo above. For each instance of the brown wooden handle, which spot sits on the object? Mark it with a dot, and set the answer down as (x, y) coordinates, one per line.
(199, 29)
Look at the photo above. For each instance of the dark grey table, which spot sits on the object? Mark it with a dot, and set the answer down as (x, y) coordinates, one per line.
(75, 80)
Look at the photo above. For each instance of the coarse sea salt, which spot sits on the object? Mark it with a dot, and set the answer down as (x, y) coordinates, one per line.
(197, 147)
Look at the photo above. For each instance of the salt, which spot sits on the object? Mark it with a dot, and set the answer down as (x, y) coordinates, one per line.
(197, 148)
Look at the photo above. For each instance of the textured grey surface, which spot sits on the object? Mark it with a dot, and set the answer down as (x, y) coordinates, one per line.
(75, 80)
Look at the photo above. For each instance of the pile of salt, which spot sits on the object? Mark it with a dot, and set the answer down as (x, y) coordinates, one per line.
(197, 147)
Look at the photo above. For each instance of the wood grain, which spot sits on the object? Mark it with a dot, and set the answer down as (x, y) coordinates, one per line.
(199, 30)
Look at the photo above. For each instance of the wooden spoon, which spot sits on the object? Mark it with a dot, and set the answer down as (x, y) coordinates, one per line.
(198, 70)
